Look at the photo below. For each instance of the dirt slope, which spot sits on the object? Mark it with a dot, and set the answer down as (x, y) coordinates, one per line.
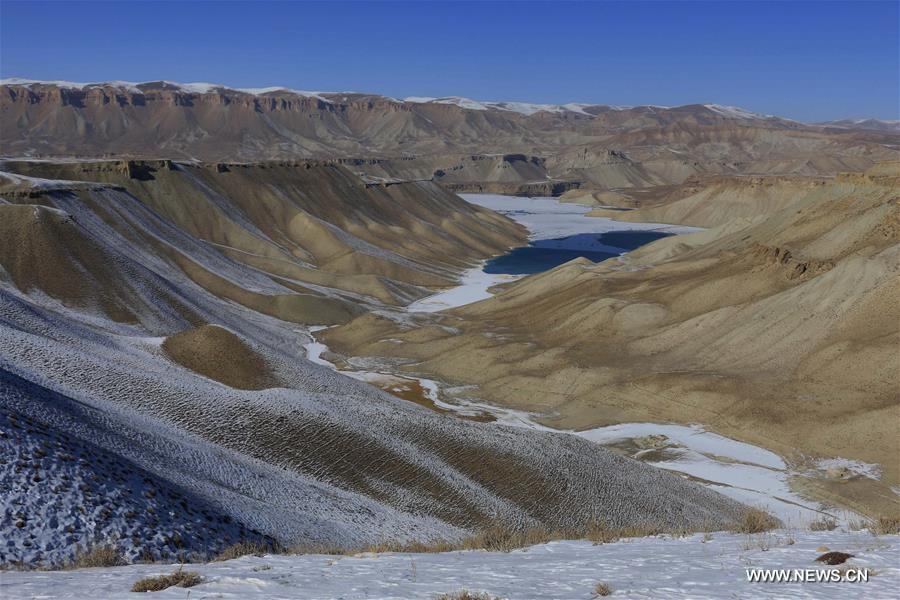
(780, 327)
(221, 355)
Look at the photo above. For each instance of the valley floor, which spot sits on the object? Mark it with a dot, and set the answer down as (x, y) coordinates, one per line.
(697, 566)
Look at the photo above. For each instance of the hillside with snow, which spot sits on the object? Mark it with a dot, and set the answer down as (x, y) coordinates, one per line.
(696, 567)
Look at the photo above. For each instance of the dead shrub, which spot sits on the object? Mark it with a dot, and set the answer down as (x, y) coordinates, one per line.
(180, 578)
(467, 595)
(602, 589)
(97, 556)
(243, 549)
(886, 526)
(756, 521)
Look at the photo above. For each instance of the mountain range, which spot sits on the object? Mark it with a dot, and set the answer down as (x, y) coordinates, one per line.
(487, 146)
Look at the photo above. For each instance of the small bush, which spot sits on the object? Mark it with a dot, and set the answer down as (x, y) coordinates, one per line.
(886, 526)
(178, 578)
(467, 595)
(602, 589)
(243, 549)
(756, 521)
(98, 556)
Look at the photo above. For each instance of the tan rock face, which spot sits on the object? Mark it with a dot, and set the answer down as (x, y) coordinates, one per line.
(604, 148)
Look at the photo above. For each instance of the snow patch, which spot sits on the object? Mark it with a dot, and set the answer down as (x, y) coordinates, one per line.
(736, 112)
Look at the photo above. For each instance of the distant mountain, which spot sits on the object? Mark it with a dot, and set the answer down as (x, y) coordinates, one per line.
(874, 124)
(567, 144)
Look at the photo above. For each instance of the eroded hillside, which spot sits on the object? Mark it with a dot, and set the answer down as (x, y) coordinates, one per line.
(153, 320)
(778, 325)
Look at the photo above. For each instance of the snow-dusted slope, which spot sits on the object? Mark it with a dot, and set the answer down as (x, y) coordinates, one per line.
(694, 567)
(96, 284)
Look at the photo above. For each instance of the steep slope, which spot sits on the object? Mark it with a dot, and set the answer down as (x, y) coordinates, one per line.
(780, 326)
(715, 201)
(140, 339)
(311, 236)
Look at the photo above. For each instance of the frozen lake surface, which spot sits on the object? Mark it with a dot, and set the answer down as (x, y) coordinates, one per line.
(558, 232)
(542, 255)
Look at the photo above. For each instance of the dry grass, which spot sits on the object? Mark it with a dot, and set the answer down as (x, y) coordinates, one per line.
(498, 538)
(245, 548)
(602, 589)
(886, 526)
(763, 542)
(756, 521)
(823, 524)
(180, 578)
(98, 556)
(467, 595)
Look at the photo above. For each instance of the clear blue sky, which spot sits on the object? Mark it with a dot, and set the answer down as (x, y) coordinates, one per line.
(805, 60)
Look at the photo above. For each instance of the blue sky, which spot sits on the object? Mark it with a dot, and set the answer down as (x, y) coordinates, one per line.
(805, 60)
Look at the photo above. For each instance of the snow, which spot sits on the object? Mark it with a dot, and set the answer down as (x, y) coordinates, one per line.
(857, 467)
(473, 286)
(693, 567)
(524, 108)
(747, 473)
(527, 108)
(127, 85)
(577, 107)
(736, 112)
(548, 218)
(191, 88)
(269, 90)
(466, 103)
(40, 183)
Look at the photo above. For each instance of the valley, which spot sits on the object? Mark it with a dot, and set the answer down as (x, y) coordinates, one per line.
(749, 474)
(659, 310)
(305, 325)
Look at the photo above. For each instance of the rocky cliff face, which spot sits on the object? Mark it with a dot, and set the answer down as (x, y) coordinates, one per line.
(607, 147)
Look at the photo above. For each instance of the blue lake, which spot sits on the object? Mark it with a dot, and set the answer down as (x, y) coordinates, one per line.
(542, 255)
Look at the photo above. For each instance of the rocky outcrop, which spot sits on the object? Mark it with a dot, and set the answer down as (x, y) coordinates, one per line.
(794, 267)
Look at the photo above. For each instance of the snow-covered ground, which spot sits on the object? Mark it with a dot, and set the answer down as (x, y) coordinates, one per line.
(548, 218)
(750, 474)
(551, 224)
(695, 567)
(473, 286)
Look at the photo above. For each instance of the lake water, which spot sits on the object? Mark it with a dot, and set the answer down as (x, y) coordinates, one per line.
(542, 255)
